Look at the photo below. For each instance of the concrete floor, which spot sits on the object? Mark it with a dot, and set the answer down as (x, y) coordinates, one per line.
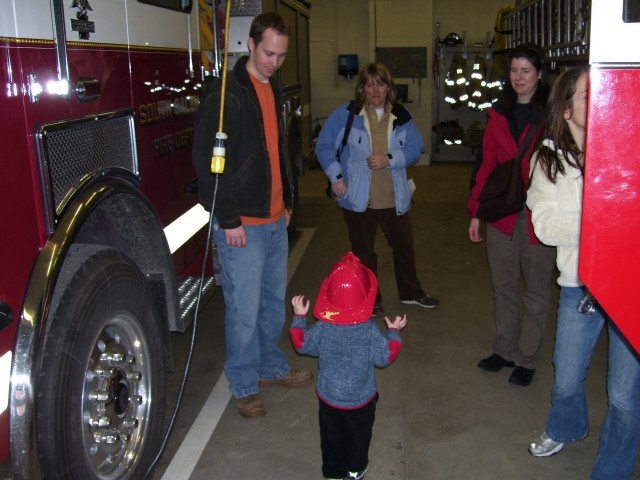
(439, 416)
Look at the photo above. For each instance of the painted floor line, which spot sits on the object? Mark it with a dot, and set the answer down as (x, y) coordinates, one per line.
(194, 443)
(187, 456)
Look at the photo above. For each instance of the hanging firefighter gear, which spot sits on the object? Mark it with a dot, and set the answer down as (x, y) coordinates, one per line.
(449, 132)
(453, 39)
(494, 84)
(474, 134)
(478, 90)
(455, 83)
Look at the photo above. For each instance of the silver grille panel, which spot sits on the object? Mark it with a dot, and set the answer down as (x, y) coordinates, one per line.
(71, 151)
(247, 8)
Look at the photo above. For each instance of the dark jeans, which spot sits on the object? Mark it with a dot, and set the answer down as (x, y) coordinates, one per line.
(397, 230)
(345, 436)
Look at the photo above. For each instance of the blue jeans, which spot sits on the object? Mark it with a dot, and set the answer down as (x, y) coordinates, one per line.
(576, 338)
(254, 281)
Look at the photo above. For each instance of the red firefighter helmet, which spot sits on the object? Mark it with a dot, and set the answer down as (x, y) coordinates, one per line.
(347, 294)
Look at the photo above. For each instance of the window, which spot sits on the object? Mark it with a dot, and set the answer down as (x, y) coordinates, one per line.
(179, 5)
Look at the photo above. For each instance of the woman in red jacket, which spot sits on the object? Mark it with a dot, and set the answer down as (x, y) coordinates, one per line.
(515, 255)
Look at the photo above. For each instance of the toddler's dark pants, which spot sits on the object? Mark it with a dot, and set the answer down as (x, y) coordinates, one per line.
(345, 436)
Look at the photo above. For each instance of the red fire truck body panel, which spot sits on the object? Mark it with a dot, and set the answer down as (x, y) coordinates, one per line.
(609, 253)
(610, 261)
(158, 84)
(164, 138)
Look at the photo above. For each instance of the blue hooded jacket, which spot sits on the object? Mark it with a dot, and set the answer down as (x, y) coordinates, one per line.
(405, 146)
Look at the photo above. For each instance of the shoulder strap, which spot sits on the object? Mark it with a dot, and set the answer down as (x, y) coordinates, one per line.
(533, 129)
(347, 129)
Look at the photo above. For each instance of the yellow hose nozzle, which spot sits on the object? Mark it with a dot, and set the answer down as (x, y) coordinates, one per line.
(217, 160)
(217, 164)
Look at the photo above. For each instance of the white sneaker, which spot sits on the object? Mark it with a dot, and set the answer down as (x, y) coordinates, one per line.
(356, 475)
(545, 446)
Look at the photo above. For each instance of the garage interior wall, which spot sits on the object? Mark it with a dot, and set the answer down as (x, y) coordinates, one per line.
(359, 26)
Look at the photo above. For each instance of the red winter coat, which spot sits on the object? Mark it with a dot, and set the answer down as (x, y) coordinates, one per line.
(499, 146)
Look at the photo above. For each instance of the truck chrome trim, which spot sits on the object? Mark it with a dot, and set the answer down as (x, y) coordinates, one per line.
(72, 150)
(32, 328)
(60, 40)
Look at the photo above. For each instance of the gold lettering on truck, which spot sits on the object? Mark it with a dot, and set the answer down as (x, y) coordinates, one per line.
(167, 109)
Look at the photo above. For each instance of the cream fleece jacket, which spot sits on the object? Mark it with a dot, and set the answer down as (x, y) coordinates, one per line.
(556, 215)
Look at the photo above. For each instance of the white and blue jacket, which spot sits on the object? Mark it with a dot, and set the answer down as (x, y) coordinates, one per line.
(405, 146)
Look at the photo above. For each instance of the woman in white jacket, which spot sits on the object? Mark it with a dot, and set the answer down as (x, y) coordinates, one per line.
(555, 199)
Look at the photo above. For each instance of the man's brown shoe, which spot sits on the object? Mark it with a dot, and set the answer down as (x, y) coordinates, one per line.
(293, 379)
(251, 406)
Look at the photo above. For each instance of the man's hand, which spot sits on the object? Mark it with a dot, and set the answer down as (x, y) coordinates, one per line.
(287, 216)
(236, 237)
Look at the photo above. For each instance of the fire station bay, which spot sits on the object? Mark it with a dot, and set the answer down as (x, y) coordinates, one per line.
(441, 342)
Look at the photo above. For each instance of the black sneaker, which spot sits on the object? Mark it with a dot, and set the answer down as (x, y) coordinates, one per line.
(377, 310)
(425, 302)
(495, 363)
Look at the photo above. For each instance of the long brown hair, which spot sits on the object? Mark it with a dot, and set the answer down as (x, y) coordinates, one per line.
(556, 129)
(377, 72)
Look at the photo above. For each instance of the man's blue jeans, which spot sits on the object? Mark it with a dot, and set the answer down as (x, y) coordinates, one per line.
(254, 281)
(576, 338)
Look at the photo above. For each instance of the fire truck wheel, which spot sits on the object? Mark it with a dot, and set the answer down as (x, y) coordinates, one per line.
(100, 403)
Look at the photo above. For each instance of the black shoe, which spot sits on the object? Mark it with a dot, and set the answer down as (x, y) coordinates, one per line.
(377, 310)
(522, 376)
(426, 301)
(495, 363)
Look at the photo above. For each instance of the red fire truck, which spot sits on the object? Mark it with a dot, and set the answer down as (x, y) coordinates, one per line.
(606, 34)
(104, 231)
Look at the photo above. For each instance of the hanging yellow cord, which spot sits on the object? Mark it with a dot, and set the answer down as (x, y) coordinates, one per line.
(217, 160)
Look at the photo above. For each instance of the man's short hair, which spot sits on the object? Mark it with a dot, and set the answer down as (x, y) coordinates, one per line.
(268, 20)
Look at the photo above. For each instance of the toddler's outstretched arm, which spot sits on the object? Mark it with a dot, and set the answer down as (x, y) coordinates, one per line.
(398, 323)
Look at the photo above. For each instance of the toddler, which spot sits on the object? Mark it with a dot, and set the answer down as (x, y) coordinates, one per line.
(349, 345)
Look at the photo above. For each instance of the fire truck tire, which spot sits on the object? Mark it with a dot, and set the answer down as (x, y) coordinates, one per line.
(101, 386)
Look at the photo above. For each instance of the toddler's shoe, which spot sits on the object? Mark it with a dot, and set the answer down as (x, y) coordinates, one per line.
(356, 475)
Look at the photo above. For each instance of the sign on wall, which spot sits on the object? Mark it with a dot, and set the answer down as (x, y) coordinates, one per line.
(404, 62)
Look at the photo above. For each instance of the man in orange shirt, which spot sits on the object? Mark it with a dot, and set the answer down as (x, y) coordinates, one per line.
(251, 213)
